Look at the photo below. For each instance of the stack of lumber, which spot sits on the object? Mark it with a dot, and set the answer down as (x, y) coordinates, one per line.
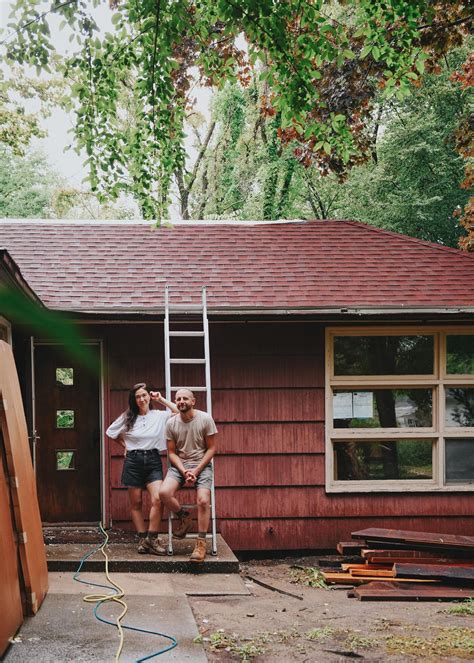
(400, 565)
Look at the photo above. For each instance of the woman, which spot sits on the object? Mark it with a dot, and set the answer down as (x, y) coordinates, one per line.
(141, 431)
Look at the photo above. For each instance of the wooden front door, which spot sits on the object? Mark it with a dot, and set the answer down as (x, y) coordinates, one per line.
(68, 424)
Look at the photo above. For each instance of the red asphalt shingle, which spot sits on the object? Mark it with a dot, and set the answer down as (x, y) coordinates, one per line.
(100, 267)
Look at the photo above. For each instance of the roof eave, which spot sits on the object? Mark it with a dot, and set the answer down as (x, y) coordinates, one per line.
(280, 311)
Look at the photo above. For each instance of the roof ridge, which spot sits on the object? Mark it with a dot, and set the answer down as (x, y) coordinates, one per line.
(416, 240)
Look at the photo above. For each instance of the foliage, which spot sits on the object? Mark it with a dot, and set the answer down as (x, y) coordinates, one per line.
(411, 184)
(26, 185)
(465, 145)
(71, 203)
(320, 633)
(33, 317)
(233, 644)
(323, 61)
(17, 127)
(308, 575)
(448, 642)
(464, 608)
(414, 186)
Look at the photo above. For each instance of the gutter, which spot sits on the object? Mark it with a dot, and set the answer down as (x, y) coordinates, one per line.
(237, 311)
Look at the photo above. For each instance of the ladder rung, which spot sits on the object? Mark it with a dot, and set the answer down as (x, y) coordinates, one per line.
(185, 307)
(187, 361)
(186, 333)
(190, 388)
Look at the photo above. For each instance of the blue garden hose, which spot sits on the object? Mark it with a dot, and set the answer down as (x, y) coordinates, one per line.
(116, 597)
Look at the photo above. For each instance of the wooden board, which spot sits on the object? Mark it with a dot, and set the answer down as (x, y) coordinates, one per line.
(350, 547)
(384, 591)
(10, 598)
(368, 554)
(416, 539)
(449, 561)
(451, 574)
(348, 579)
(374, 573)
(22, 483)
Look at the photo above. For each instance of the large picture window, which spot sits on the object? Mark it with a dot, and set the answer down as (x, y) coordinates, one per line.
(399, 409)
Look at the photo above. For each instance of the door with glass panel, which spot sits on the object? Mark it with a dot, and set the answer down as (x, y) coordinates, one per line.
(68, 425)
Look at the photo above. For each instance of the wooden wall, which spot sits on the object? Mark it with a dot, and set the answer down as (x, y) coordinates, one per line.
(268, 403)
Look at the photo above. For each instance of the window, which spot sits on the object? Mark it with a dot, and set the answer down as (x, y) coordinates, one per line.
(65, 376)
(65, 419)
(400, 409)
(65, 460)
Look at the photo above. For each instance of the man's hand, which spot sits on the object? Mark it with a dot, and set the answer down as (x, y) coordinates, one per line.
(155, 396)
(190, 478)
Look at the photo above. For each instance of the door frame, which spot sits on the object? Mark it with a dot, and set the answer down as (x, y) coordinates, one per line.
(104, 511)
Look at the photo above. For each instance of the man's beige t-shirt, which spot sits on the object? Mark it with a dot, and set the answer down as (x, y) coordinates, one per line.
(190, 436)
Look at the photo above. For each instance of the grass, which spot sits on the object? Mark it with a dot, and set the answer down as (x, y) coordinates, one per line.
(355, 641)
(244, 648)
(320, 633)
(307, 575)
(464, 608)
(447, 642)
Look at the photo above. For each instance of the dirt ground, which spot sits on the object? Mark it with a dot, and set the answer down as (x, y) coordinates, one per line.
(324, 624)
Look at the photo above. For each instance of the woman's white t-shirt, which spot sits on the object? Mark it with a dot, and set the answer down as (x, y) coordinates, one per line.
(148, 431)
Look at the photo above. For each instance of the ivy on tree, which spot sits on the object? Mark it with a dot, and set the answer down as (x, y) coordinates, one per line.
(323, 62)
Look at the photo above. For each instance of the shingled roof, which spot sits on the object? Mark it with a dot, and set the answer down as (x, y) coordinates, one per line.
(113, 267)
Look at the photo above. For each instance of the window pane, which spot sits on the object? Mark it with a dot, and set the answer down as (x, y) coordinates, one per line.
(391, 459)
(65, 376)
(459, 460)
(65, 419)
(460, 354)
(382, 408)
(65, 460)
(459, 406)
(383, 355)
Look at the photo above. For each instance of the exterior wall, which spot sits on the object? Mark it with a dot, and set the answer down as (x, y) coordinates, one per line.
(268, 403)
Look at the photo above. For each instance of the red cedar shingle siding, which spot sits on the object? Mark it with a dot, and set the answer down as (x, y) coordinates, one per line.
(124, 266)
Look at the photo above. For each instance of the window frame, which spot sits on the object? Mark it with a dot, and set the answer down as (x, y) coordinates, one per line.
(436, 381)
(5, 324)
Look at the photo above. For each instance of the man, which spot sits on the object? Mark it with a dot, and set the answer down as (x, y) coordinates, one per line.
(191, 441)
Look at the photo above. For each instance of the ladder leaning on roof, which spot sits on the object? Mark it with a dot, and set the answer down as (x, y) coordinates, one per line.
(200, 309)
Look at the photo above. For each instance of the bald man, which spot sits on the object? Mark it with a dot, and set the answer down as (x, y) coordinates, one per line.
(191, 441)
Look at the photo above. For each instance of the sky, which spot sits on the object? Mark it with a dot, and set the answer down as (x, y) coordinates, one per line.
(67, 162)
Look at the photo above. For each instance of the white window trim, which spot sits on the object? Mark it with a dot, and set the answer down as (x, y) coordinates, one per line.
(437, 381)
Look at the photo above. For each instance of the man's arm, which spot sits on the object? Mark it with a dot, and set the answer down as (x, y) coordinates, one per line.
(156, 396)
(206, 459)
(173, 457)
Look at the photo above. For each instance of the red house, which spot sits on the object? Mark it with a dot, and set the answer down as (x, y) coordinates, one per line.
(342, 360)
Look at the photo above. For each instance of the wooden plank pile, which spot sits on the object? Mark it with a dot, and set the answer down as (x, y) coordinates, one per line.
(399, 565)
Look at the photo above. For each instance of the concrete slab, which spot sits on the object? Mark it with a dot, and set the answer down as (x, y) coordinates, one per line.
(165, 584)
(65, 629)
(124, 557)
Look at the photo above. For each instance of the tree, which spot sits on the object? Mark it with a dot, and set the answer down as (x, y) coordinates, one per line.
(414, 186)
(17, 127)
(411, 184)
(27, 184)
(323, 63)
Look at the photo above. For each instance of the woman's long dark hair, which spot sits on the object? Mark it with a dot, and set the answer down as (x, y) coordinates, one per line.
(132, 413)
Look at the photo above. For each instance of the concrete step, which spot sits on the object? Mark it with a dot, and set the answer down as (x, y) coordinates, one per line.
(123, 556)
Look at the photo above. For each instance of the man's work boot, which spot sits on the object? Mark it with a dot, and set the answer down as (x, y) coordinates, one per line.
(185, 523)
(153, 545)
(142, 547)
(199, 552)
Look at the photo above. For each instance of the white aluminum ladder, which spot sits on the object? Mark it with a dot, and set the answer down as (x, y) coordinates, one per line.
(201, 310)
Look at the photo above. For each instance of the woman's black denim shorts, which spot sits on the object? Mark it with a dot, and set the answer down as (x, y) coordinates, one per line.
(142, 467)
